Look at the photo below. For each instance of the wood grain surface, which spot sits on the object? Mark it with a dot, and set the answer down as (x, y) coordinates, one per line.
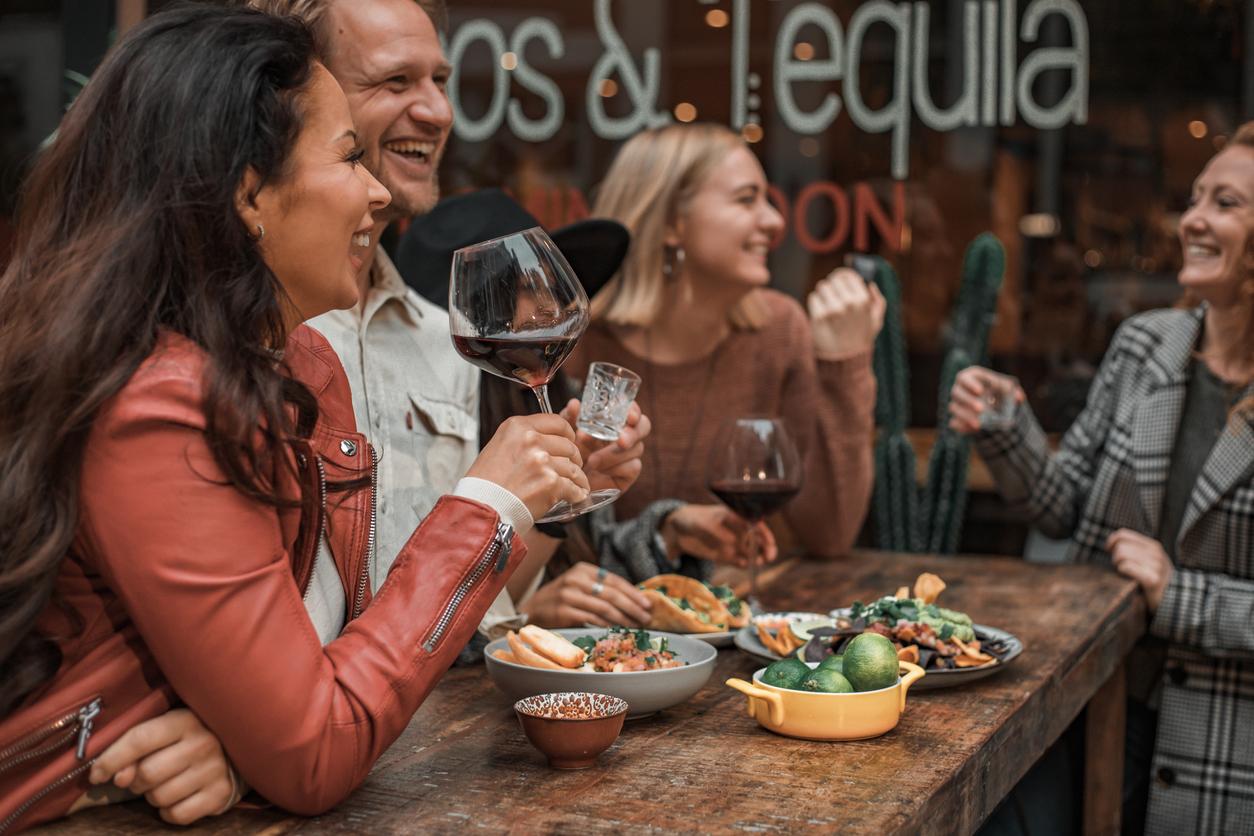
(463, 763)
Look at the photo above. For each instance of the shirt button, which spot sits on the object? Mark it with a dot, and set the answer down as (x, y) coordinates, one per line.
(1166, 776)
(1177, 675)
(348, 448)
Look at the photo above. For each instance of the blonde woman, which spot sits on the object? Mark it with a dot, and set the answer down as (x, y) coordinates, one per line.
(1156, 478)
(691, 311)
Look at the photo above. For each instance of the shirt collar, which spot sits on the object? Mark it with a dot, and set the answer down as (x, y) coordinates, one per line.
(386, 284)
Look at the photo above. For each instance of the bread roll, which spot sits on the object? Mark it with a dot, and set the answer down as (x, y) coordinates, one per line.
(552, 646)
(526, 656)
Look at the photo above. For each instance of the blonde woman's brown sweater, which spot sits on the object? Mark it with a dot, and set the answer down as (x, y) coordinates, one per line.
(829, 407)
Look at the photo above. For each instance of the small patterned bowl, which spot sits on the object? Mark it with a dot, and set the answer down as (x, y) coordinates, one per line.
(571, 728)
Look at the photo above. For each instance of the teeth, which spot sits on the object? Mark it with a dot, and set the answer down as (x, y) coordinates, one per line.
(361, 239)
(426, 149)
(1199, 251)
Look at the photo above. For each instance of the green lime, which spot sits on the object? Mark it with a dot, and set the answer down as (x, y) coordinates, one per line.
(833, 663)
(786, 673)
(870, 662)
(826, 680)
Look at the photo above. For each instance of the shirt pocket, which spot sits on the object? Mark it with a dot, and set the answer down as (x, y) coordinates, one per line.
(443, 439)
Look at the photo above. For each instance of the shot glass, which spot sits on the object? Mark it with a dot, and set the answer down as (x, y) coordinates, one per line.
(1000, 402)
(607, 396)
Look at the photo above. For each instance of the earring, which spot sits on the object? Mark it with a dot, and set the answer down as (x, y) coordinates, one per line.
(672, 262)
(261, 232)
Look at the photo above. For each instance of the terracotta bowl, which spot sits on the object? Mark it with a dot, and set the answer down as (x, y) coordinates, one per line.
(571, 728)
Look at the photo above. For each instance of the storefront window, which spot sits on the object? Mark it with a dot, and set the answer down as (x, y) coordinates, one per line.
(1070, 131)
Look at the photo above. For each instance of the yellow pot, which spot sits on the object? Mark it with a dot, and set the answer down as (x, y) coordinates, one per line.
(818, 716)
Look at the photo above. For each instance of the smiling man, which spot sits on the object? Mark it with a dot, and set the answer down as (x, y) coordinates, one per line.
(414, 396)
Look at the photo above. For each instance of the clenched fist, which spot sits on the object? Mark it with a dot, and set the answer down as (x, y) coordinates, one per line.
(846, 315)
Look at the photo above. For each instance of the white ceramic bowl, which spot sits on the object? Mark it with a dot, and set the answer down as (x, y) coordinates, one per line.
(646, 692)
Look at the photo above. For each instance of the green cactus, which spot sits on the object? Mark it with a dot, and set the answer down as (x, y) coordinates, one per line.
(896, 497)
(966, 343)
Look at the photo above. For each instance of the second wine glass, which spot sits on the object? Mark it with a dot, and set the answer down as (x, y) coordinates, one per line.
(516, 310)
(754, 470)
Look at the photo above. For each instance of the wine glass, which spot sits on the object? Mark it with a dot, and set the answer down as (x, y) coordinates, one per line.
(516, 310)
(754, 470)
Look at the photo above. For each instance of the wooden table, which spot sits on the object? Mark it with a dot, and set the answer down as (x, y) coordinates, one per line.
(464, 764)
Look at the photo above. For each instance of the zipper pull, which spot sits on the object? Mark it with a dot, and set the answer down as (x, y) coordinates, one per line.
(504, 541)
(86, 715)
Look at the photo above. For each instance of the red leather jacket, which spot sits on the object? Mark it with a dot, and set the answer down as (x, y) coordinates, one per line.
(179, 584)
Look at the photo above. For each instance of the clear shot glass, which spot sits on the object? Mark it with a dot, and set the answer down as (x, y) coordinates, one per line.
(607, 396)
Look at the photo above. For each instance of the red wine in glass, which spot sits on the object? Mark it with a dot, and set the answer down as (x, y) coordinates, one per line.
(516, 310)
(531, 361)
(755, 499)
(754, 470)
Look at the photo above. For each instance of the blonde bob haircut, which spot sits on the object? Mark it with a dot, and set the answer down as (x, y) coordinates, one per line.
(647, 189)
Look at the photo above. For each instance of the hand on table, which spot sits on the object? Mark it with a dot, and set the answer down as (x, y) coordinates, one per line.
(612, 464)
(1144, 560)
(846, 315)
(176, 764)
(970, 396)
(574, 599)
(714, 533)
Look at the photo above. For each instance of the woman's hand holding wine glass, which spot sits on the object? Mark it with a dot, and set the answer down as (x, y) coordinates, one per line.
(755, 470)
(718, 534)
(516, 310)
(534, 457)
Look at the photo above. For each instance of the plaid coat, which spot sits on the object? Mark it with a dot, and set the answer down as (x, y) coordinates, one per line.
(1111, 473)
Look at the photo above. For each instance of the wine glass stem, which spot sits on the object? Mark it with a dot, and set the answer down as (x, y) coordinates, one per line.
(542, 395)
(755, 553)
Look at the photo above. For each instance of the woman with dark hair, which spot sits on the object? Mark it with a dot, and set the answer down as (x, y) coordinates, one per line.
(188, 508)
(1156, 478)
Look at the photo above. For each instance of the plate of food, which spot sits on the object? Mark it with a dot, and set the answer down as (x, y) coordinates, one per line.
(690, 607)
(947, 644)
(771, 635)
(649, 669)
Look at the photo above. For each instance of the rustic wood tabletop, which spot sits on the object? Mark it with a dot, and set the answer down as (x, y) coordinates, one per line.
(705, 765)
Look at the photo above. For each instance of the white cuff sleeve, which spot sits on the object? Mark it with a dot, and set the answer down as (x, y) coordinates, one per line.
(509, 507)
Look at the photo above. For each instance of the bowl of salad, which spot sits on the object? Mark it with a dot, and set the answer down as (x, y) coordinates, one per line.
(649, 669)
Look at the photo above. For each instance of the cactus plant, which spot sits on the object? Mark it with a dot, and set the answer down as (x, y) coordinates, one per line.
(966, 343)
(896, 497)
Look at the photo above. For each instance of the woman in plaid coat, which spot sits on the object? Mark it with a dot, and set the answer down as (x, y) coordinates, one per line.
(1156, 478)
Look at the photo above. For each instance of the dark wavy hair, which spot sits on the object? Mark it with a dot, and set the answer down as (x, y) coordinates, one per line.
(127, 226)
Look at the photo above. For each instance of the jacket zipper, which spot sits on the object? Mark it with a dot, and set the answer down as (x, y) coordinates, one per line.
(21, 752)
(498, 552)
(34, 799)
(322, 524)
(368, 564)
(78, 724)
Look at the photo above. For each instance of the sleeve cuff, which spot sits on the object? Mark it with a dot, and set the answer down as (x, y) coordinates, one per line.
(856, 364)
(1178, 613)
(509, 507)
